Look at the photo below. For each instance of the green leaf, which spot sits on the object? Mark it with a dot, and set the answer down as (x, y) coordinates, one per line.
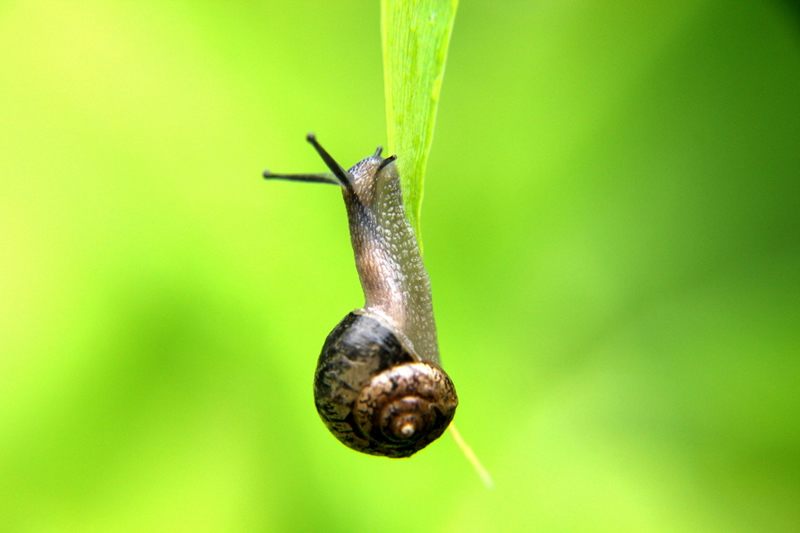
(415, 38)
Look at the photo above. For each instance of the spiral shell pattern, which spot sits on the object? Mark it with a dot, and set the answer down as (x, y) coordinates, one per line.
(375, 396)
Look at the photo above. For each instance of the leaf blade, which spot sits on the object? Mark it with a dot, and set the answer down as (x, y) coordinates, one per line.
(415, 37)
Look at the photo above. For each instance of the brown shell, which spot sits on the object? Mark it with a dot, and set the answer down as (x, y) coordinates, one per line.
(375, 395)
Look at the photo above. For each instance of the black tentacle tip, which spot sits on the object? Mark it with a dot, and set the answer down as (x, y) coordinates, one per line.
(266, 174)
(310, 137)
(386, 162)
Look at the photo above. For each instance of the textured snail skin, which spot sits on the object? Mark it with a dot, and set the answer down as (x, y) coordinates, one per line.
(395, 282)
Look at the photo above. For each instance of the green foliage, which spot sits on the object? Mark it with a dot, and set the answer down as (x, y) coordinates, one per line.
(416, 35)
(612, 236)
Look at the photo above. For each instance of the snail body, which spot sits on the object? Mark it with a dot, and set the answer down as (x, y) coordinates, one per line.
(379, 386)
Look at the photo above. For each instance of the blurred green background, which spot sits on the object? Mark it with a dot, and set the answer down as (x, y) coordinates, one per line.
(611, 225)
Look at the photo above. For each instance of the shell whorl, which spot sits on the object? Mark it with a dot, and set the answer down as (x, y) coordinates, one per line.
(375, 395)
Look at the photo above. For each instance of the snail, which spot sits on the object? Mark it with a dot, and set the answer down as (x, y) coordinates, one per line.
(379, 386)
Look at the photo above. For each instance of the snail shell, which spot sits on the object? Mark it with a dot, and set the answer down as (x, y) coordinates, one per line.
(374, 394)
(379, 386)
